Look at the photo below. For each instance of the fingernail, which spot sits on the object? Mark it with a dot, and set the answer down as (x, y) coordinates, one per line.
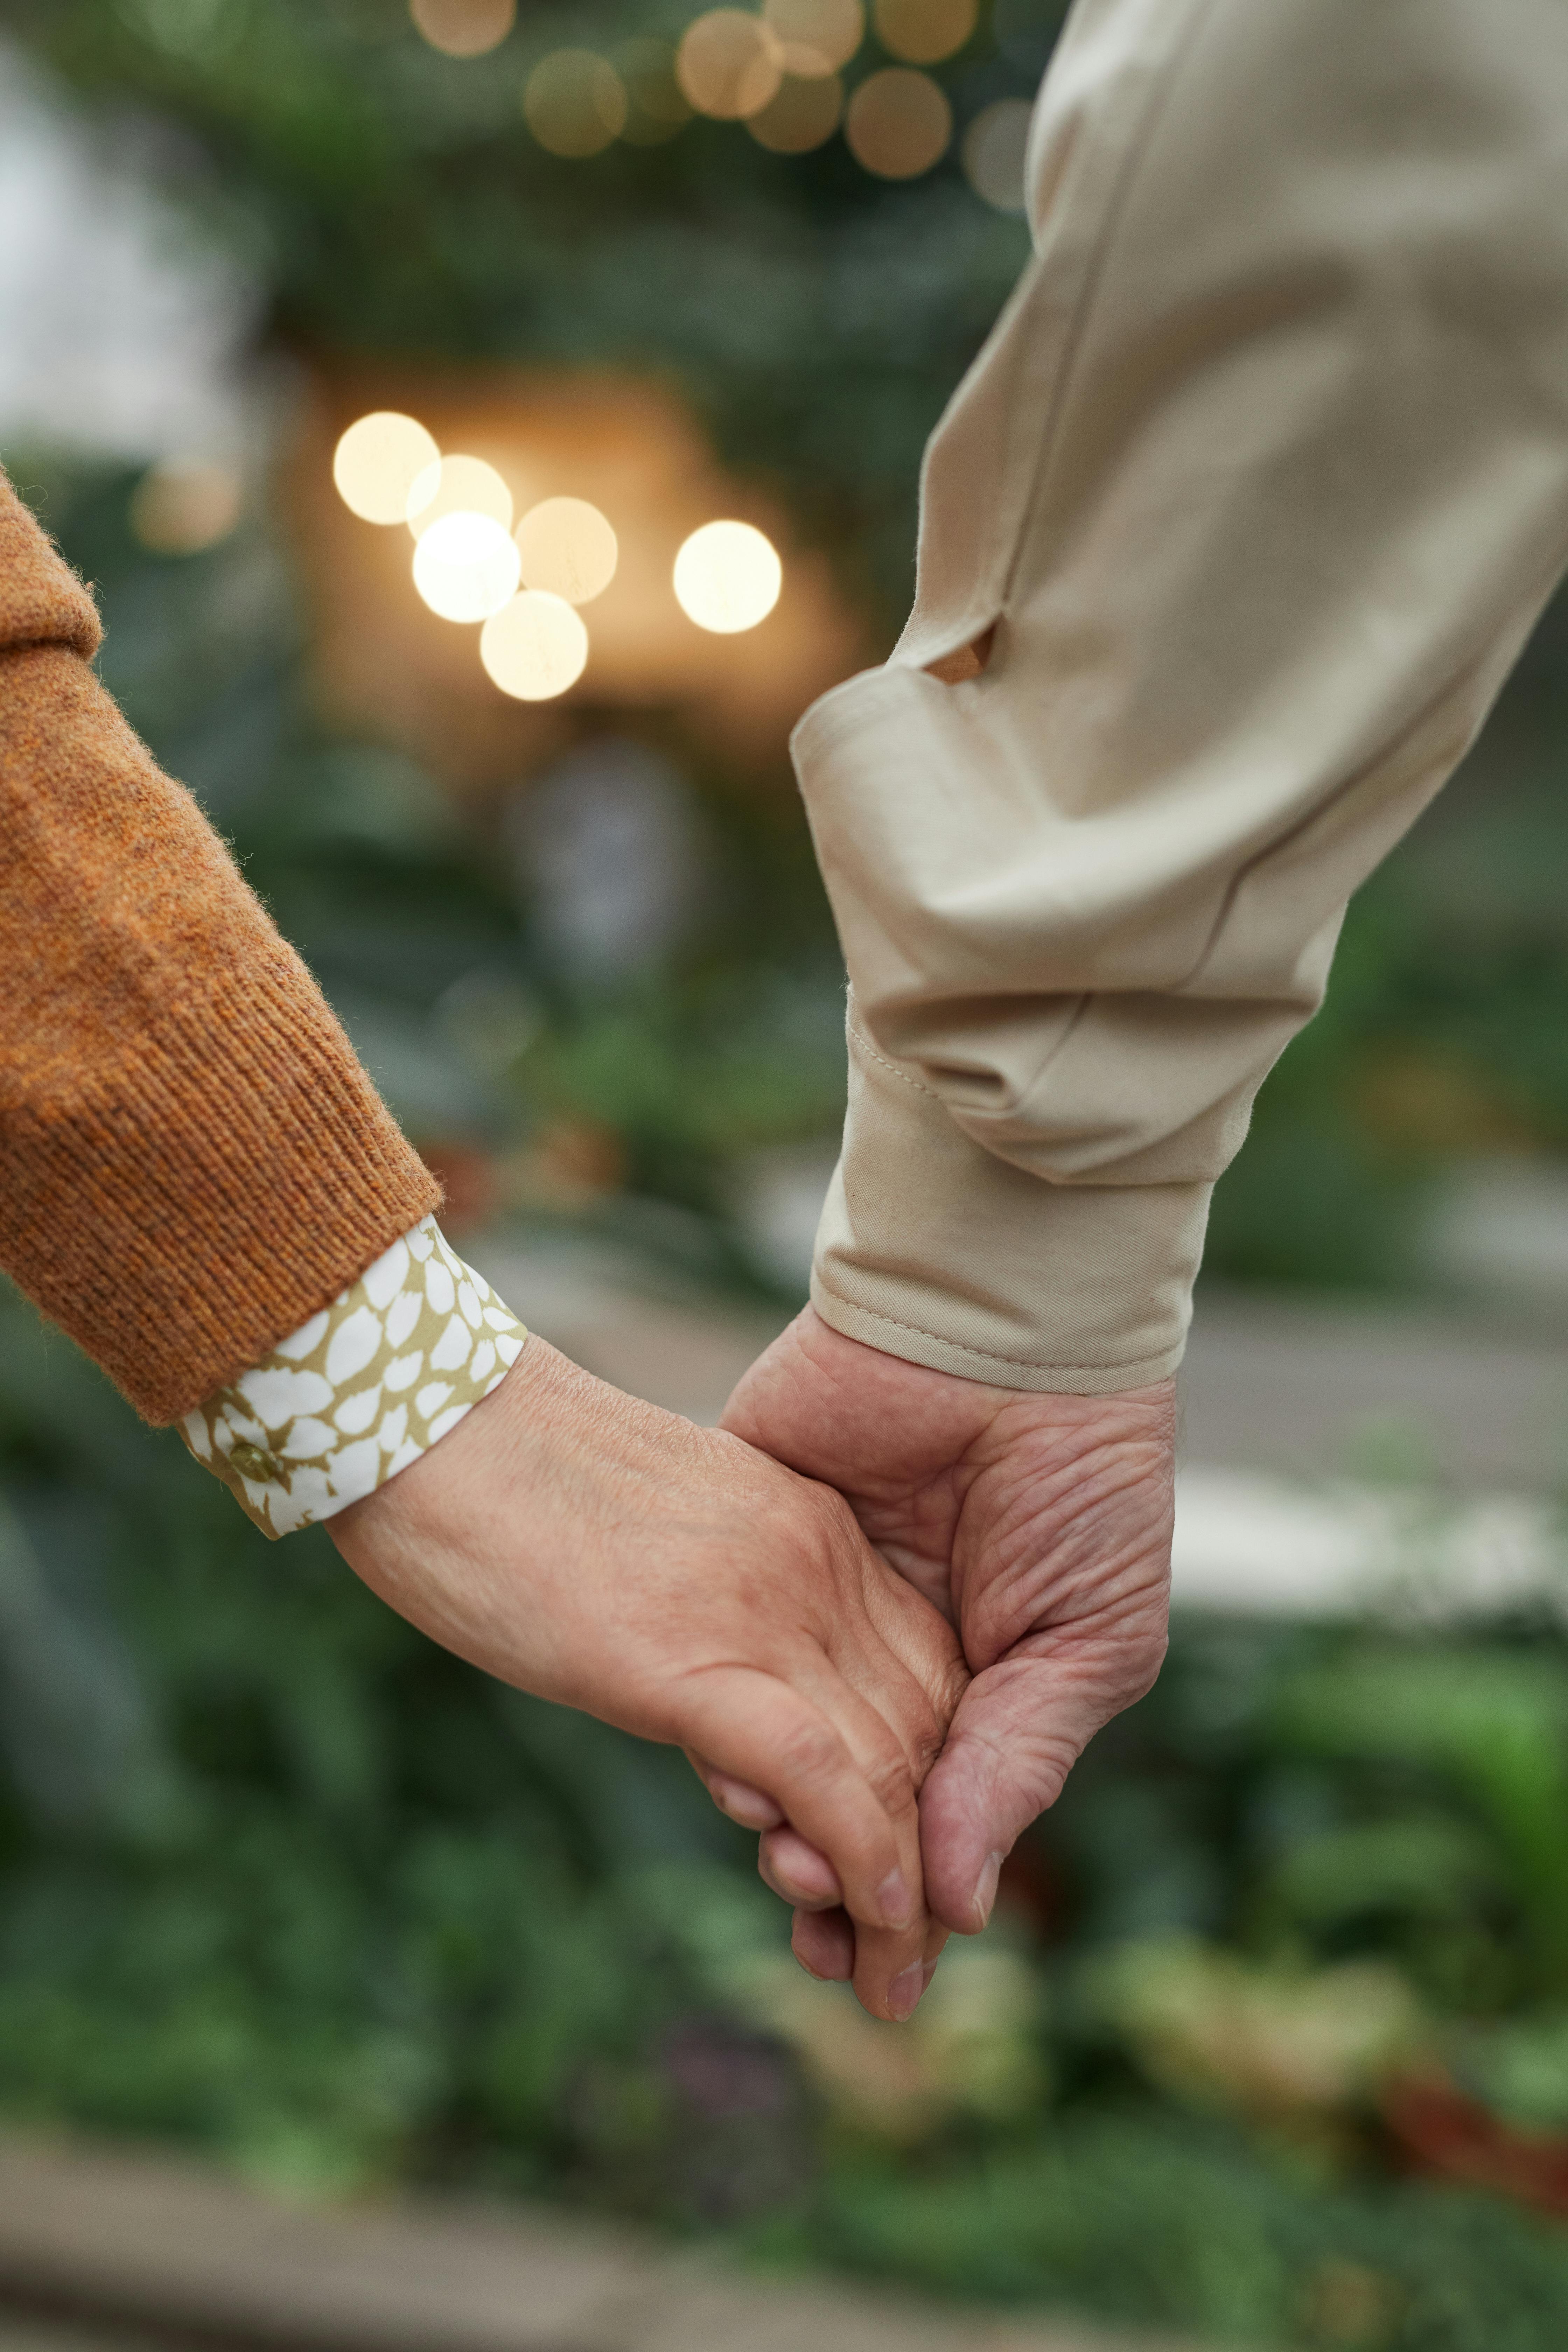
(929, 1972)
(905, 1990)
(745, 1805)
(893, 1901)
(984, 1894)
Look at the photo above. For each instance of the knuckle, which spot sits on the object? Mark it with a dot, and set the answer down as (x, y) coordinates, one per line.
(891, 1779)
(833, 1521)
(809, 1749)
(926, 1743)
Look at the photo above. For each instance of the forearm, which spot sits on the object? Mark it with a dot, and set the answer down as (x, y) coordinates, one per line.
(1261, 481)
(192, 1160)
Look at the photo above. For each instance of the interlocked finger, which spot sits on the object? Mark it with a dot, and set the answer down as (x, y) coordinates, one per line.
(827, 1759)
(798, 1873)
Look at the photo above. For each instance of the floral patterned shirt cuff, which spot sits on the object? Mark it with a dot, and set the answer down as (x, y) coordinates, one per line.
(362, 1390)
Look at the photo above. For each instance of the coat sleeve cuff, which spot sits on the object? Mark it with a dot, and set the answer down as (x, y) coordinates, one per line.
(933, 1249)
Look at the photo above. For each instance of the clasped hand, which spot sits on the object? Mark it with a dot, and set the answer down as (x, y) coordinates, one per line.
(881, 1610)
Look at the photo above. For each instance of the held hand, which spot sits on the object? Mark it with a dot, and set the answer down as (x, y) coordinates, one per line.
(671, 1581)
(1041, 1525)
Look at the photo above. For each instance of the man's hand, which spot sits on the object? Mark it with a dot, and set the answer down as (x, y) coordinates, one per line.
(1041, 1525)
(671, 1581)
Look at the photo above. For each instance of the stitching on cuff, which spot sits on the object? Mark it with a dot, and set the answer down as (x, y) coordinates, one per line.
(982, 1355)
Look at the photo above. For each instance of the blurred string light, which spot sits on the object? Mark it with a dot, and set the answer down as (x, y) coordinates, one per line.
(923, 31)
(183, 505)
(464, 29)
(777, 70)
(535, 647)
(728, 577)
(898, 123)
(655, 108)
(993, 151)
(457, 486)
(802, 115)
(465, 567)
(470, 566)
(568, 549)
(728, 65)
(377, 463)
(815, 37)
(575, 102)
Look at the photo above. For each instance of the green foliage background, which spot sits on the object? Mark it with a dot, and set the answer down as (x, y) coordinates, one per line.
(279, 1879)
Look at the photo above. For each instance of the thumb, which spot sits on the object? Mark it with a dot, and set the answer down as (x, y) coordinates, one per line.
(1017, 1732)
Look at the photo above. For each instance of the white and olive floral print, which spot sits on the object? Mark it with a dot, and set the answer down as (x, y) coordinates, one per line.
(362, 1390)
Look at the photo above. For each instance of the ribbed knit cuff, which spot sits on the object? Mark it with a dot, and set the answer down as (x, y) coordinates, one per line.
(932, 1249)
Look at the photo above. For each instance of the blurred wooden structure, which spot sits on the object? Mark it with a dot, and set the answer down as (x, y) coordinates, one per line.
(105, 2251)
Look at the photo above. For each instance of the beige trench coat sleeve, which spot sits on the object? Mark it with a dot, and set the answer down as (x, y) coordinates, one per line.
(1263, 476)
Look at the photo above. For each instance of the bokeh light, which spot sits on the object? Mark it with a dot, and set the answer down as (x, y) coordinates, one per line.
(457, 486)
(803, 115)
(467, 567)
(377, 462)
(575, 102)
(655, 108)
(815, 36)
(182, 505)
(464, 29)
(535, 647)
(728, 577)
(993, 148)
(568, 548)
(729, 64)
(921, 31)
(898, 123)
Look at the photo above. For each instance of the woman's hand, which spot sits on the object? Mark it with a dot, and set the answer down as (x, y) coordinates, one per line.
(674, 1581)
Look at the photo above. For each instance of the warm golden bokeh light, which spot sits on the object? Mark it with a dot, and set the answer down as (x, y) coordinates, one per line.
(728, 577)
(377, 463)
(993, 148)
(464, 29)
(575, 102)
(465, 567)
(182, 505)
(815, 36)
(534, 648)
(804, 115)
(656, 110)
(898, 123)
(457, 486)
(729, 64)
(568, 548)
(921, 31)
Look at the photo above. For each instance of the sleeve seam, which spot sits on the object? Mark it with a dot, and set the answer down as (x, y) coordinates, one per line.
(893, 1071)
(981, 1355)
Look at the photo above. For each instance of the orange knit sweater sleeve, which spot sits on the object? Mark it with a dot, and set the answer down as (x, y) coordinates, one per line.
(192, 1161)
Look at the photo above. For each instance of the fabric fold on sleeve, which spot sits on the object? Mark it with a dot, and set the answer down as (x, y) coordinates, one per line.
(1261, 483)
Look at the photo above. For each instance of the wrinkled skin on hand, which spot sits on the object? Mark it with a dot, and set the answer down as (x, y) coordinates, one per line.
(672, 1580)
(1039, 1524)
